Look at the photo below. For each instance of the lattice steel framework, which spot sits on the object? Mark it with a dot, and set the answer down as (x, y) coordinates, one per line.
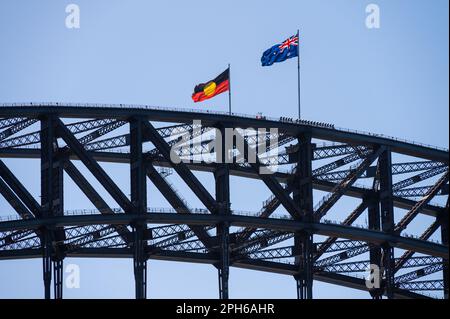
(393, 182)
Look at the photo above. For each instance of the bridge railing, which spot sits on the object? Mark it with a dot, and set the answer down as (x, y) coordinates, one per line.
(189, 110)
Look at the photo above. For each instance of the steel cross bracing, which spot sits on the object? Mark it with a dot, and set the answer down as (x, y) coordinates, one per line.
(427, 285)
(397, 169)
(325, 162)
(362, 266)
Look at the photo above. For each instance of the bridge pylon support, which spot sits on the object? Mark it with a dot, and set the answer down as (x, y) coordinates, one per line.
(387, 219)
(139, 204)
(304, 278)
(58, 276)
(224, 266)
(222, 182)
(139, 262)
(374, 220)
(52, 200)
(303, 195)
(46, 262)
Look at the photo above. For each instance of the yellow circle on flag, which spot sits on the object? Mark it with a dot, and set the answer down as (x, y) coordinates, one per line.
(210, 88)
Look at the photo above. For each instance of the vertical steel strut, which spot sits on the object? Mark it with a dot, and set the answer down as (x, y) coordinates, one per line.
(303, 196)
(387, 219)
(52, 205)
(374, 220)
(139, 206)
(222, 180)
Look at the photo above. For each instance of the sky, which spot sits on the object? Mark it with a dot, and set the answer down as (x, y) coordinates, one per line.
(392, 80)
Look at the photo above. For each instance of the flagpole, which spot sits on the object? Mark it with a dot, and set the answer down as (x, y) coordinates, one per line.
(229, 89)
(298, 74)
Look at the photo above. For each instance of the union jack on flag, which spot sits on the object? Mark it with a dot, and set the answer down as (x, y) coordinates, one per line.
(281, 51)
(289, 42)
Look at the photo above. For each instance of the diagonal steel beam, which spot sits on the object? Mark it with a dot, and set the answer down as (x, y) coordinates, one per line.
(270, 181)
(94, 196)
(176, 202)
(348, 221)
(14, 201)
(181, 168)
(94, 167)
(408, 254)
(18, 197)
(339, 190)
(408, 218)
(269, 206)
(21, 192)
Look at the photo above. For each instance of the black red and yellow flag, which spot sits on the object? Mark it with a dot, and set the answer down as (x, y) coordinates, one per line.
(212, 88)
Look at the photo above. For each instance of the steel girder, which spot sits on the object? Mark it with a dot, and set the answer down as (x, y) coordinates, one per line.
(326, 229)
(138, 187)
(52, 195)
(222, 190)
(303, 196)
(256, 239)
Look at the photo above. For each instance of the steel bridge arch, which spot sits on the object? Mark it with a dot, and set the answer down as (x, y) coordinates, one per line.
(89, 133)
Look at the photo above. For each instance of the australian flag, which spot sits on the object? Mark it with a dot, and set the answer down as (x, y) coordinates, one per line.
(281, 52)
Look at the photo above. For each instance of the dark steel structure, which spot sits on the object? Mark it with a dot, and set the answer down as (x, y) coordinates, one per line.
(392, 181)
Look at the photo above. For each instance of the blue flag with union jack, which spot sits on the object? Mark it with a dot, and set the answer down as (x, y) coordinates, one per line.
(281, 51)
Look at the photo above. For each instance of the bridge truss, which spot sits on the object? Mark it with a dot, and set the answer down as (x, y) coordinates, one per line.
(298, 231)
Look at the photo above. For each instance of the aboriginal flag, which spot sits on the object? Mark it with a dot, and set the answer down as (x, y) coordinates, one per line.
(212, 88)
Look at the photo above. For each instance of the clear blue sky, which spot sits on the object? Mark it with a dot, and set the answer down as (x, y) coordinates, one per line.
(393, 80)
